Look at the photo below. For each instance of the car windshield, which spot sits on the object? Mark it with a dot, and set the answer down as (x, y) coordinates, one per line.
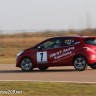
(91, 41)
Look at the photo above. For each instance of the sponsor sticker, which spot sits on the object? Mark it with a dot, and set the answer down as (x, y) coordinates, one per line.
(62, 53)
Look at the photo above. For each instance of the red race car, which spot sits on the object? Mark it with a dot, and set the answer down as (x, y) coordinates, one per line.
(77, 51)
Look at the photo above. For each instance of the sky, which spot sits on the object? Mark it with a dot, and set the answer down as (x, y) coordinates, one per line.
(47, 14)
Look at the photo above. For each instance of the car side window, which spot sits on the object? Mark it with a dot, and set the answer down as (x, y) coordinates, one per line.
(68, 42)
(52, 43)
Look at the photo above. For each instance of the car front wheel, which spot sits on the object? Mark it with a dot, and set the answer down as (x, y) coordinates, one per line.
(93, 66)
(80, 63)
(26, 64)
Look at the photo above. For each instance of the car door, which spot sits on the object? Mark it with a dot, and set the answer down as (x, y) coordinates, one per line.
(67, 51)
(46, 54)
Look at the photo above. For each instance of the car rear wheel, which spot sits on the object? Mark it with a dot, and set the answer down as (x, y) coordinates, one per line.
(93, 66)
(43, 68)
(80, 63)
(26, 64)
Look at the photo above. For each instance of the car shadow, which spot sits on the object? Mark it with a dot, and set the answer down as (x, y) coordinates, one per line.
(39, 71)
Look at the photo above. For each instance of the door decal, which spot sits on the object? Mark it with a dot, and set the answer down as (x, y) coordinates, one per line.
(42, 57)
(62, 53)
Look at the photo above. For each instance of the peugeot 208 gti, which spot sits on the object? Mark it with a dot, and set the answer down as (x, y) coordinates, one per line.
(77, 51)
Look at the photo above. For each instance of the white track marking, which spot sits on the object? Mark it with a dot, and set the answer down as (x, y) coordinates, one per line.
(78, 82)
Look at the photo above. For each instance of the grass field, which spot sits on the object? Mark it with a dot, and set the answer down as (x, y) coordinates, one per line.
(11, 46)
(49, 89)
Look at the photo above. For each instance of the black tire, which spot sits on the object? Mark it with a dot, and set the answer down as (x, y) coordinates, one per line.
(80, 63)
(26, 64)
(42, 68)
(93, 66)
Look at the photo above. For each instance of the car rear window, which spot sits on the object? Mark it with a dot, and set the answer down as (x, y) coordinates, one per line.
(90, 41)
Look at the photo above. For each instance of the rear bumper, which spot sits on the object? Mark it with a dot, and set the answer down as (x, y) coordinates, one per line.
(91, 58)
(92, 62)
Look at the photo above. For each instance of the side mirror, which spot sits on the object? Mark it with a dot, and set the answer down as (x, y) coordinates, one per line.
(40, 47)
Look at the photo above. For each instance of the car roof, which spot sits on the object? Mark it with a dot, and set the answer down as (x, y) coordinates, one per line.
(77, 36)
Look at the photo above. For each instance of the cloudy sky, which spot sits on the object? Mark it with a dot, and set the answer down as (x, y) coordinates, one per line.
(47, 14)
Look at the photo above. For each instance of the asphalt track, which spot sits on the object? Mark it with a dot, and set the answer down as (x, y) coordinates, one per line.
(53, 74)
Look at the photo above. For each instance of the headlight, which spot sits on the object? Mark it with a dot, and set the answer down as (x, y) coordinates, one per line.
(19, 54)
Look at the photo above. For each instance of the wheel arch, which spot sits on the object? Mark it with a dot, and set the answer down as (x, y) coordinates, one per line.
(26, 57)
(78, 55)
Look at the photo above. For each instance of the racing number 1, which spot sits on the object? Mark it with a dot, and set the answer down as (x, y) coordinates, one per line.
(42, 57)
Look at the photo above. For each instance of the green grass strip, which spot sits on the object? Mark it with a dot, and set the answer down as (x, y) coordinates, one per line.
(49, 89)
